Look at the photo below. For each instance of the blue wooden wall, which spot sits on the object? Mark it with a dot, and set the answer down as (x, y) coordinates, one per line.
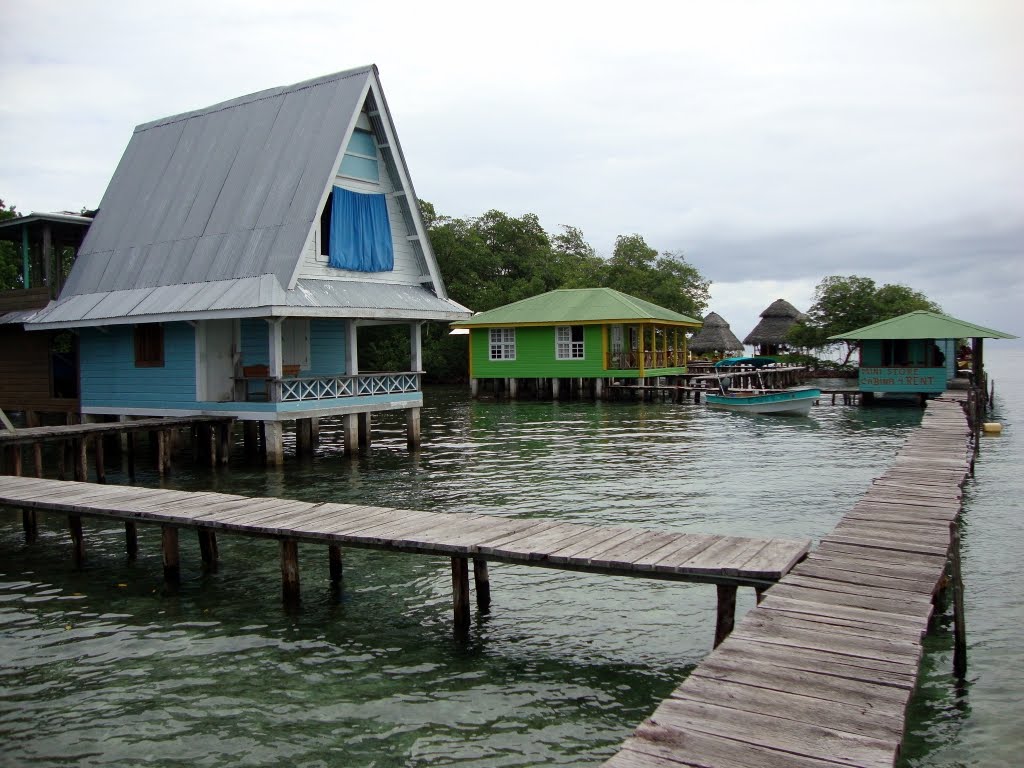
(109, 375)
(326, 345)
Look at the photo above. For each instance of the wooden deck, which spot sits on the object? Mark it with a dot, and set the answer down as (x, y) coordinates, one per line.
(821, 672)
(31, 435)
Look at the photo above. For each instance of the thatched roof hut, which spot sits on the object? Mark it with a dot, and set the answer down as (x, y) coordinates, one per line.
(715, 336)
(776, 320)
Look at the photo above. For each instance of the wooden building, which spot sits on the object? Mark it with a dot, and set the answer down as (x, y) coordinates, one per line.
(915, 353)
(577, 335)
(237, 252)
(769, 335)
(39, 371)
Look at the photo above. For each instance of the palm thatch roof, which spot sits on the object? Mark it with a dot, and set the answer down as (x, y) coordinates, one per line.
(775, 323)
(715, 336)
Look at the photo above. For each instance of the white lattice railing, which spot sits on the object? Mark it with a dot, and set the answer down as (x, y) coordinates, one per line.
(330, 387)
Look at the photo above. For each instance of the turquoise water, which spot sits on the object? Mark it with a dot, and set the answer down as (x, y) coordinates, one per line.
(108, 667)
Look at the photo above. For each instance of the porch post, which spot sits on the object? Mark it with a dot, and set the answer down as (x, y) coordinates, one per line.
(47, 258)
(276, 355)
(351, 349)
(416, 347)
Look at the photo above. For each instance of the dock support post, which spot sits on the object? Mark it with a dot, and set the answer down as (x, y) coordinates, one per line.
(101, 469)
(28, 516)
(365, 430)
(351, 422)
(334, 558)
(760, 593)
(131, 539)
(460, 593)
(37, 456)
(556, 388)
(77, 542)
(223, 432)
(251, 441)
(482, 582)
(169, 547)
(513, 389)
(131, 455)
(959, 619)
(208, 549)
(726, 615)
(162, 451)
(81, 460)
(474, 388)
(290, 572)
(412, 427)
(275, 443)
(303, 438)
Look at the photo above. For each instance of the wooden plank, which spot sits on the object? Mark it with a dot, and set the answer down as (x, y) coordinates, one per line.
(813, 569)
(894, 655)
(879, 542)
(893, 590)
(656, 746)
(777, 733)
(885, 604)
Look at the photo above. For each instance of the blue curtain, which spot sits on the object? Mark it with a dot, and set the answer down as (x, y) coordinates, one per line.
(360, 233)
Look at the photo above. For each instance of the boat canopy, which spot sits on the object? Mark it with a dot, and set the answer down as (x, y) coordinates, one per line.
(755, 362)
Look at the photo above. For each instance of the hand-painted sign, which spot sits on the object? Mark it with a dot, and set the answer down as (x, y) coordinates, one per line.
(902, 379)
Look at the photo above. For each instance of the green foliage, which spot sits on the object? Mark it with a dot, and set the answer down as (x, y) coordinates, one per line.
(10, 258)
(496, 259)
(843, 304)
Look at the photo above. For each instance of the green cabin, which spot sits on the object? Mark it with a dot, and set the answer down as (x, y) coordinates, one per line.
(917, 353)
(583, 333)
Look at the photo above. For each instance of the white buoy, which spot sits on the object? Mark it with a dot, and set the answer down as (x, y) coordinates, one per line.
(992, 428)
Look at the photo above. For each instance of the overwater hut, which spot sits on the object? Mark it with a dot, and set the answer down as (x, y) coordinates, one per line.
(769, 335)
(715, 338)
(237, 252)
(579, 335)
(39, 371)
(915, 353)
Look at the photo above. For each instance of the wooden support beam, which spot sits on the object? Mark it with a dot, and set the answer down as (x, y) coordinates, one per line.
(37, 456)
(131, 539)
(101, 469)
(131, 456)
(959, 619)
(77, 542)
(334, 555)
(726, 615)
(351, 422)
(760, 593)
(412, 427)
(208, 549)
(303, 438)
(365, 430)
(482, 582)
(172, 561)
(251, 441)
(290, 572)
(81, 458)
(460, 592)
(161, 452)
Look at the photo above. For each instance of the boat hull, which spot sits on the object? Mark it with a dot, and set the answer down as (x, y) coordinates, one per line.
(795, 402)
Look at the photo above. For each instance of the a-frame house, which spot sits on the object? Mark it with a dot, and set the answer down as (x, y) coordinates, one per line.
(236, 253)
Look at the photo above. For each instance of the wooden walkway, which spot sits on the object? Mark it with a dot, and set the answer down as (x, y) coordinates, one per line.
(726, 561)
(820, 673)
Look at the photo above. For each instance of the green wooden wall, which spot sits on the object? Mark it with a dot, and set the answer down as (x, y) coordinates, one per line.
(535, 355)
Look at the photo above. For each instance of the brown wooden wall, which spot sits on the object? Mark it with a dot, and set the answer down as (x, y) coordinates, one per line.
(25, 372)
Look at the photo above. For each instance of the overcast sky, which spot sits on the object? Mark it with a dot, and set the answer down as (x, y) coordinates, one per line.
(772, 143)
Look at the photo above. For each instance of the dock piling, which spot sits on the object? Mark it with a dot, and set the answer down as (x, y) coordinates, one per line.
(959, 619)
(208, 549)
(131, 540)
(725, 617)
(482, 583)
(290, 572)
(77, 542)
(460, 592)
(172, 561)
(334, 558)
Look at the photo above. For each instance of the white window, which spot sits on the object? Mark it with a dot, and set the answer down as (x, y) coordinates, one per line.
(503, 343)
(569, 342)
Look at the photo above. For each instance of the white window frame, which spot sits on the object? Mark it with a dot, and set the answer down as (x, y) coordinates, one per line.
(501, 344)
(565, 347)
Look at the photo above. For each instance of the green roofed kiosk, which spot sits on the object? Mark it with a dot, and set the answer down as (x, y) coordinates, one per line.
(581, 335)
(916, 353)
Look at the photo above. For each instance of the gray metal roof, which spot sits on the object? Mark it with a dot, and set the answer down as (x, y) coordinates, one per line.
(260, 296)
(209, 210)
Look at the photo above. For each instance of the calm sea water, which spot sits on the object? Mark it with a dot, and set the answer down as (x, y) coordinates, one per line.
(108, 668)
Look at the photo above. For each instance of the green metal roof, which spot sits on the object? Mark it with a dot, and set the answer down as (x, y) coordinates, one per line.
(568, 306)
(922, 325)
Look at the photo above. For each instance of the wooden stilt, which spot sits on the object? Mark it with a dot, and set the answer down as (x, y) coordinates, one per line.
(303, 438)
(959, 619)
(274, 434)
(726, 615)
(30, 522)
(169, 546)
(290, 571)
(131, 456)
(412, 426)
(77, 541)
(223, 443)
(161, 452)
(351, 421)
(63, 454)
(81, 459)
(250, 441)
(760, 593)
(334, 555)
(131, 539)
(14, 460)
(365, 431)
(101, 469)
(482, 582)
(208, 549)
(460, 592)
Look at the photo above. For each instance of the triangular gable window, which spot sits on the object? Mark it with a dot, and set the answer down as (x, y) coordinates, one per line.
(360, 160)
(359, 234)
